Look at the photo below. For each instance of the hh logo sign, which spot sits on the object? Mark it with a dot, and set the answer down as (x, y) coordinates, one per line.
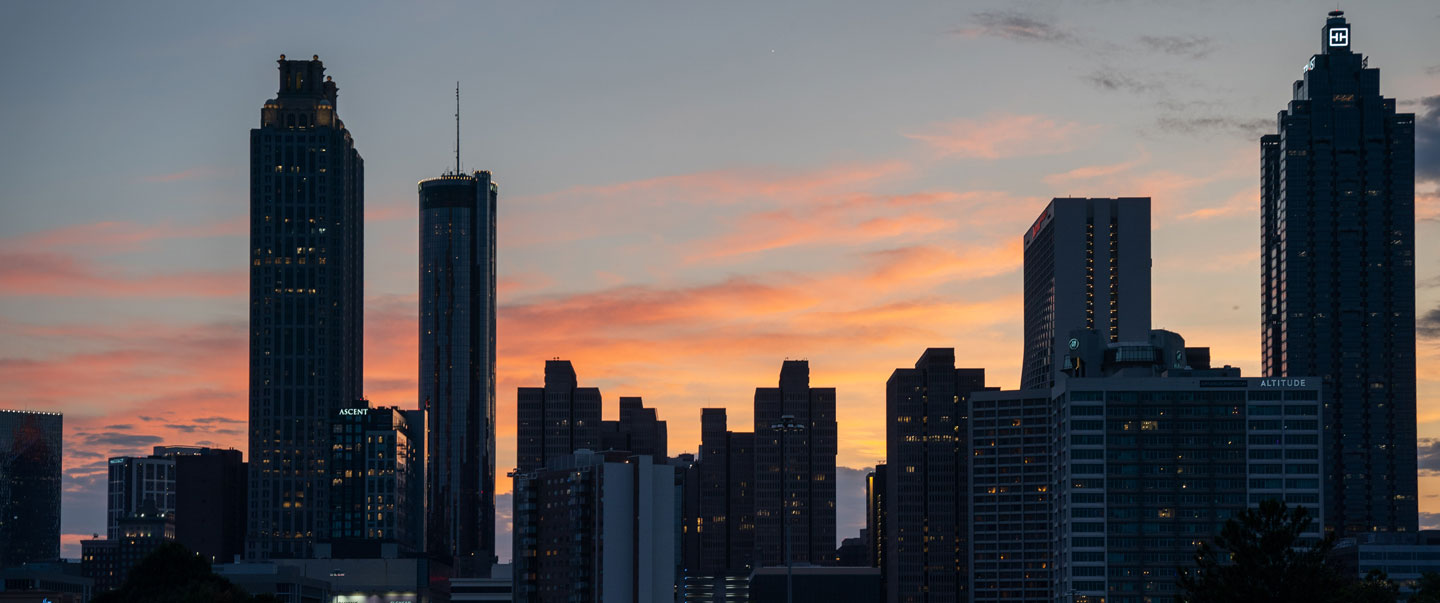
(1340, 36)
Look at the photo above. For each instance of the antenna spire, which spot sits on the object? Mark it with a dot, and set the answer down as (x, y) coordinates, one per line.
(457, 128)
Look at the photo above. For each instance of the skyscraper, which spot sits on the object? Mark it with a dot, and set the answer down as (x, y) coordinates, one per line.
(139, 484)
(639, 430)
(1087, 266)
(306, 286)
(723, 528)
(457, 365)
(29, 486)
(808, 483)
(1338, 277)
(557, 419)
(927, 440)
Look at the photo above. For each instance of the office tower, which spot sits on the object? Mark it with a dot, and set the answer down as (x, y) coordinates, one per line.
(875, 508)
(1338, 277)
(1087, 266)
(603, 529)
(30, 456)
(721, 528)
(139, 483)
(808, 498)
(927, 441)
(457, 365)
(109, 561)
(210, 488)
(377, 491)
(1010, 438)
(306, 286)
(1102, 486)
(557, 419)
(639, 430)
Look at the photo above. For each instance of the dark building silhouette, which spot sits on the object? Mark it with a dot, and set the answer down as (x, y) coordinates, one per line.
(109, 561)
(210, 488)
(1087, 266)
(306, 296)
(875, 511)
(927, 441)
(809, 481)
(816, 585)
(596, 527)
(639, 430)
(457, 365)
(1338, 277)
(377, 491)
(557, 419)
(720, 531)
(853, 552)
(30, 456)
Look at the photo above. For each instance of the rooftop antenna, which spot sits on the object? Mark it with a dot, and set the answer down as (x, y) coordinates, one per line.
(457, 128)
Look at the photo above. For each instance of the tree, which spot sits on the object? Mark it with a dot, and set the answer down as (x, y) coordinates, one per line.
(174, 574)
(1259, 556)
(1427, 589)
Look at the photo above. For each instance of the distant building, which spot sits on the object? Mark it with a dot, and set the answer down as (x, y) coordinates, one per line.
(852, 552)
(875, 508)
(596, 527)
(1011, 496)
(1337, 263)
(108, 561)
(498, 587)
(56, 582)
(817, 584)
(30, 457)
(1087, 266)
(307, 232)
(809, 465)
(556, 420)
(139, 482)
(1403, 557)
(288, 583)
(210, 486)
(927, 441)
(377, 492)
(639, 430)
(457, 363)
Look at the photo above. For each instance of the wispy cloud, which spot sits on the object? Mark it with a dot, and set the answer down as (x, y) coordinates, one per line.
(1212, 124)
(1195, 47)
(1003, 136)
(1017, 25)
(62, 275)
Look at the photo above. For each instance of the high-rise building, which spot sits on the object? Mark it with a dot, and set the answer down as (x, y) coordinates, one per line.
(139, 483)
(306, 296)
(1087, 266)
(1337, 266)
(377, 492)
(875, 508)
(639, 430)
(210, 488)
(557, 419)
(457, 365)
(600, 527)
(108, 561)
(1010, 434)
(30, 458)
(805, 495)
(927, 441)
(720, 533)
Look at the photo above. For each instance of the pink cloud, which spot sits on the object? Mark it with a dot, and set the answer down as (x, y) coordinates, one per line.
(58, 275)
(1003, 136)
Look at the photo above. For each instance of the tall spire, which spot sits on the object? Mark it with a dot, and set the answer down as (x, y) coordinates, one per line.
(457, 127)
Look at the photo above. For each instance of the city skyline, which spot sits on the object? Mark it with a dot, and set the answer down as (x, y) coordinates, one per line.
(916, 240)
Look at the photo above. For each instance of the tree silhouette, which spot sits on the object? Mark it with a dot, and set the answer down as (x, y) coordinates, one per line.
(175, 574)
(1259, 556)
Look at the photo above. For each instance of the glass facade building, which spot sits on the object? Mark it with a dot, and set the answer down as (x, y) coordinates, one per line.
(457, 365)
(306, 296)
(30, 456)
(1338, 277)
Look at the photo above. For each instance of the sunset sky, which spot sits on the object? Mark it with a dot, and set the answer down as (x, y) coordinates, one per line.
(690, 193)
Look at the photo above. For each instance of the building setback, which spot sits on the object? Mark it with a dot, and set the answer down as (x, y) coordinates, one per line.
(1338, 277)
(457, 364)
(599, 527)
(927, 441)
(639, 430)
(809, 481)
(30, 456)
(306, 296)
(557, 419)
(1087, 266)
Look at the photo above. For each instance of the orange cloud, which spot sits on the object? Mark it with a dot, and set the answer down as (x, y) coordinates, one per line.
(58, 275)
(120, 235)
(1003, 136)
